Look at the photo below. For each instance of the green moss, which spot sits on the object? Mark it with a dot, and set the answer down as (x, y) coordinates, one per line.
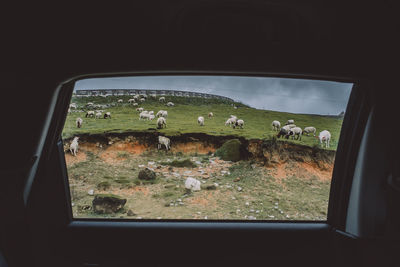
(230, 150)
(181, 163)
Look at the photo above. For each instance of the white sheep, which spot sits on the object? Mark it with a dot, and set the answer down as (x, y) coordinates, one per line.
(72, 105)
(98, 115)
(120, 101)
(289, 122)
(159, 113)
(200, 120)
(153, 96)
(161, 99)
(309, 130)
(142, 99)
(291, 125)
(324, 137)
(170, 104)
(144, 115)
(69, 110)
(151, 117)
(107, 115)
(135, 104)
(276, 125)
(90, 114)
(210, 115)
(238, 123)
(162, 140)
(79, 122)
(230, 121)
(192, 184)
(164, 114)
(73, 147)
(161, 122)
(140, 109)
(132, 100)
(151, 112)
(295, 131)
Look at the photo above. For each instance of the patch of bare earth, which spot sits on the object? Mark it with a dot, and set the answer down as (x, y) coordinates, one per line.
(301, 170)
(70, 159)
(192, 147)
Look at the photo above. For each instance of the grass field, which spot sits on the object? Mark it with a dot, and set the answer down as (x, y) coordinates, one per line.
(182, 118)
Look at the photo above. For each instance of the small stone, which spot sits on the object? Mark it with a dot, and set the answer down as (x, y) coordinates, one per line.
(251, 210)
(271, 216)
(179, 200)
(139, 218)
(236, 179)
(238, 210)
(91, 192)
(198, 162)
(147, 174)
(203, 182)
(239, 189)
(205, 218)
(142, 166)
(257, 211)
(72, 204)
(216, 184)
(287, 216)
(233, 198)
(247, 203)
(130, 213)
(159, 218)
(252, 217)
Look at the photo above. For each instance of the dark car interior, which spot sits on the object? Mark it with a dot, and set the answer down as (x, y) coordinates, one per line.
(53, 45)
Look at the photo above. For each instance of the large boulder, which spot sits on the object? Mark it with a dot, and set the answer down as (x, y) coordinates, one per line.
(231, 150)
(147, 174)
(192, 184)
(107, 203)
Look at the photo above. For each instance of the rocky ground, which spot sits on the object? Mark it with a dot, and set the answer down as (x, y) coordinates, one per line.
(244, 190)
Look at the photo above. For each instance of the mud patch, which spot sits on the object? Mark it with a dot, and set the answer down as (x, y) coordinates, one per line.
(193, 147)
(70, 159)
(301, 170)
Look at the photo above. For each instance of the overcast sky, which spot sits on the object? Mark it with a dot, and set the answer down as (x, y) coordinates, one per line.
(280, 94)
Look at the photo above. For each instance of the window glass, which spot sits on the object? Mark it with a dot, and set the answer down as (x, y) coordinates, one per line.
(203, 147)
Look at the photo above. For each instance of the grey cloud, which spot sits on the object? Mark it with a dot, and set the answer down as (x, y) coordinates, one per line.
(280, 94)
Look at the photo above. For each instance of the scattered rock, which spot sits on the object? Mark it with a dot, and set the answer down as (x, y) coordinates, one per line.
(192, 184)
(130, 213)
(91, 192)
(147, 174)
(251, 218)
(236, 179)
(247, 203)
(240, 189)
(107, 203)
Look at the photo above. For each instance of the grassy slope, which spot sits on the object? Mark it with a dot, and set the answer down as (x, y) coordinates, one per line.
(182, 118)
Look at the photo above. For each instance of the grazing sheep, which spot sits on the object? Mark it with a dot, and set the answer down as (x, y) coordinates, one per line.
(144, 115)
(136, 97)
(90, 114)
(151, 112)
(159, 113)
(238, 123)
(143, 96)
(79, 122)
(73, 147)
(309, 130)
(72, 105)
(107, 115)
(153, 96)
(276, 125)
(200, 120)
(135, 104)
(289, 122)
(132, 100)
(161, 99)
(162, 140)
(324, 137)
(210, 115)
(164, 114)
(230, 122)
(161, 122)
(235, 107)
(291, 125)
(89, 104)
(295, 131)
(170, 104)
(98, 115)
(142, 99)
(284, 132)
(120, 101)
(192, 184)
(69, 110)
(151, 117)
(140, 109)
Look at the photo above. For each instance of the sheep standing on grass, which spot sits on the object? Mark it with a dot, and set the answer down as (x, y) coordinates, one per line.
(170, 104)
(295, 131)
(229, 122)
(120, 101)
(79, 122)
(90, 114)
(151, 117)
(238, 123)
(98, 115)
(72, 105)
(73, 147)
(144, 115)
(161, 99)
(284, 132)
(164, 141)
(162, 113)
(210, 115)
(200, 121)
(142, 100)
(161, 122)
(324, 137)
(276, 125)
(107, 115)
(289, 122)
(132, 100)
(309, 130)
(135, 104)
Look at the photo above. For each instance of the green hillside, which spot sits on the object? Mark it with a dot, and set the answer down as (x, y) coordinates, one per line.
(182, 118)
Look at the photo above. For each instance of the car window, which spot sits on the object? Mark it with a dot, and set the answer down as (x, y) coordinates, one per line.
(203, 147)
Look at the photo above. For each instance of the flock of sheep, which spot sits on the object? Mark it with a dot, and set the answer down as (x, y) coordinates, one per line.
(290, 129)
